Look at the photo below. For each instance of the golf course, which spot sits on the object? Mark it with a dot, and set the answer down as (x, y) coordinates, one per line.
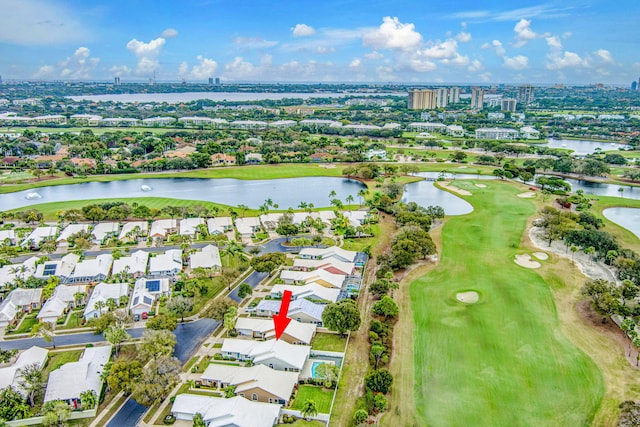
(502, 360)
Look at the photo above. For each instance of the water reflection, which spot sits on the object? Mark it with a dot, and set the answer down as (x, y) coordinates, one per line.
(628, 218)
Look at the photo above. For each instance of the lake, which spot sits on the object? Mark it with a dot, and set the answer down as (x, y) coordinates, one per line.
(628, 218)
(425, 193)
(601, 189)
(583, 147)
(174, 98)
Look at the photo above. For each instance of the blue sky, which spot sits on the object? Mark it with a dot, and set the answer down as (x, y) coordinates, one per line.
(571, 41)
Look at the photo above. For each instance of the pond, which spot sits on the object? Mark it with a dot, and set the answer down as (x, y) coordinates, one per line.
(287, 192)
(628, 218)
(602, 189)
(425, 193)
(583, 147)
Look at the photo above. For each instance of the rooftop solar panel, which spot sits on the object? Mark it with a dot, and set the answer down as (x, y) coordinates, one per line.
(153, 285)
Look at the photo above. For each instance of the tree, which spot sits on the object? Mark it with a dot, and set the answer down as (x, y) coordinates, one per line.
(218, 308)
(157, 343)
(162, 321)
(102, 323)
(244, 290)
(198, 421)
(360, 416)
(123, 375)
(112, 304)
(287, 230)
(44, 330)
(342, 316)
(386, 307)
(230, 319)
(158, 378)
(377, 353)
(180, 305)
(379, 380)
(229, 391)
(605, 296)
(56, 413)
(89, 399)
(12, 404)
(380, 402)
(116, 335)
(309, 409)
(32, 381)
(328, 373)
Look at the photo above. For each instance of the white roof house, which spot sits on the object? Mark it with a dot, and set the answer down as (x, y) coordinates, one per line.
(356, 218)
(70, 230)
(166, 264)
(276, 354)
(332, 265)
(19, 300)
(39, 234)
(8, 236)
(9, 375)
(67, 382)
(135, 264)
(301, 310)
(189, 226)
(278, 385)
(320, 276)
(9, 273)
(103, 230)
(63, 268)
(529, 132)
(295, 333)
(129, 228)
(103, 292)
(145, 292)
(220, 225)
(248, 226)
(332, 251)
(162, 227)
(93, 270)
(207, 257)
(234, 412)
(312, 291)
(63, 297)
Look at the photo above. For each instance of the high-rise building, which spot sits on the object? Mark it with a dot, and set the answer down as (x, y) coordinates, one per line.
(442, 97)
(217, 80)
(634, 85)
(422, 99)
(477, 98)
(525, 94)
(454, 95)
(116, 81)
(210, 81)
(508, 104)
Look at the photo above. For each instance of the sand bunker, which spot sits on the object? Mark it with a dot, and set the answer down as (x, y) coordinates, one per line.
(541, 255)
(527, 195)
(481, 186)
(469, 297)
(455, 189)
(524, 260)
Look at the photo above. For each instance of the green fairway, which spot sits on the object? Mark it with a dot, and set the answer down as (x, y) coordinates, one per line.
(502, 361)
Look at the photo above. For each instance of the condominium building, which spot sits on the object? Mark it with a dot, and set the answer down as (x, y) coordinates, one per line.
(422, 99)
(454, 95)
(525, 94)
(442, 97)
(508, 104)
(477, 98)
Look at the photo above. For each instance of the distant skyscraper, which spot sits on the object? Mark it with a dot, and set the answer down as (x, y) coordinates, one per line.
(477, 98)
(442, 97)
(116, 81)
(422, 99)
(508, 104)
(210, 81)
(525, 94)
(217, 80)
(634, 85)
(454, 95)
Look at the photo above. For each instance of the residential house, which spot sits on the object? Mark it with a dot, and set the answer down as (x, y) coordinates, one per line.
(71, 379)
(276, 354)
(161, 227)
(330, 252)
(312, 292)
(166, 264)
(39, 235)
(234, 412)
(102, 292)
(93, 270)
(320, 277)
(528, 132)
(356, 218)
(63, 268)
(497, 133)
(207, 257)
(456, 131)
(189, 226)
(295, 333)
(132, 231)
(134, 265)
(247, 226)
(332, 265)
(64, 297)
(301, 310)
(253, 158)
(104, 230)
(145, 293)
(220, 159)
(10, 375)
(18, 301)
(8, 238)
(220, 225)
(258, 382)
(69, 231)
(11, 272)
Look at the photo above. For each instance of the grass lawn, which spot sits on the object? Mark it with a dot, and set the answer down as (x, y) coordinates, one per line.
(26, 324)
(306, 423)
(320, 395)
(503, 361)
(73, 321)
(328, 342)
(58, 359)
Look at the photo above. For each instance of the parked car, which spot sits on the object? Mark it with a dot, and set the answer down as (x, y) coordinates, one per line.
(136, 317)
(144, 315)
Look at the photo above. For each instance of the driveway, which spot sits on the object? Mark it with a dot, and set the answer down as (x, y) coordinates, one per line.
(253, 279)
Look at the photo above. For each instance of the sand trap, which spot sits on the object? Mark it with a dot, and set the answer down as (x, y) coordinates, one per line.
(463, 167)
(541, 255)
(524, 260)
(481, 186)
(469, 297)
(328, 166)
(527, 195)
(455, 189)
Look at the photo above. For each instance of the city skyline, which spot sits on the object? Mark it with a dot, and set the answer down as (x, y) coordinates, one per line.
(574, 42)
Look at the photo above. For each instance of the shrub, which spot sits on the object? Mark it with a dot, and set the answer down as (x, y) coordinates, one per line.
(169, 420)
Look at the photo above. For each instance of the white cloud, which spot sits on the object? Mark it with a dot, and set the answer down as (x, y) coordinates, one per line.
(147, 54)
(45, 71)
(76, 67)
(518, 62)
(542, 11)
(239, 69)
(355, 63)
(441, 50)
(169, 33)
(604, 56)
(496, 45)
(485, 76)
(183, 69)
(254, 42)
(463, 37)
(558, 61)
(524, 33)
(392, 34)
(324, 49)
(120, 70)
(374, 56)
(40, 22)
(204, 69)
(475, 66)
(554, 42)
(302, 30)
(457, 61)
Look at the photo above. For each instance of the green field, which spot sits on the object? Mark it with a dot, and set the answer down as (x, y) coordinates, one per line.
(503, 361)
(321, 396)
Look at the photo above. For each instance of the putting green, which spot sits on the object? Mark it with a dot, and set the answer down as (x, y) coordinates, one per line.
(502, 362)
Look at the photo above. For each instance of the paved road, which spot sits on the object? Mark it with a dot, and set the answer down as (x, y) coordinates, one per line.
(190, 336)
(253, 279)
(128, 415)
(60, 340)
(276, 245)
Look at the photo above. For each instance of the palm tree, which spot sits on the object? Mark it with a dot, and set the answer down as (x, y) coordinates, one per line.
(362, 194)
(303, 205)
(589, 251)
(332, 194)
(88, 398)
(111, 304)
(309, 409)
(44, 330)
(349, 199)
(124, 300)
(99, 305)
(79, 298)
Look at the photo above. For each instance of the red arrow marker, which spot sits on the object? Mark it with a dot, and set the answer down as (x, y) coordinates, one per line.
(281, 321)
